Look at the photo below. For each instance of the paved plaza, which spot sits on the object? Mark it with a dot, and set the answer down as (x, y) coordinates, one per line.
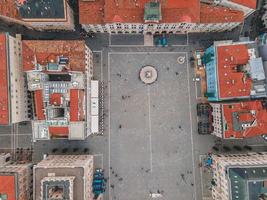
(150, 127)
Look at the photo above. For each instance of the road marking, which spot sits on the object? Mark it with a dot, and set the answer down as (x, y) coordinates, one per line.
(257, 145)
(149, 126)
(109, 107)
(191, 127)
(150, 52)
(179, 45)
(129, 45)
(18, 134)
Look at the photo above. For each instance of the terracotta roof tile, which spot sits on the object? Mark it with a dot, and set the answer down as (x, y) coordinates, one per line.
(173, 11)
(218, 14)
(60, 131)
(231, 82)
(8, 186)
(56, 99)
(91, 12)
(43, 50)
(39, 105)
(245, 116)
(74, 105)
(8, 9)
(128, 11)
(4, 97)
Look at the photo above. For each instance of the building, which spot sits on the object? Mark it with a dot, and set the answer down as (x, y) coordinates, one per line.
(239, 177)
(15, 179)
(42, 15)
(246, 6)
(65, 98)
(13, 98)
(64, 177)
(234, 70)
(171, 16)
(264, 15)
(234, 120)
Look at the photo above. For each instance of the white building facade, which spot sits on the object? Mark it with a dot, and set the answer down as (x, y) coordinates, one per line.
(220, 167)
(13, 78)
(75, 170)
(115, 28)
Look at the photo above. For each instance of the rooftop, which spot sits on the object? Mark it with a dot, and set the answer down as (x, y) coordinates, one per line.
(42, 9)
(248, 182)
(172, 11)
(7, 187)
(33, 9)
(234, 70)
(70, 176)
(55, 75)
(47, 51)
(231, 82)
(219, 14)
(8, 9)
(4, 106)
(245, 119)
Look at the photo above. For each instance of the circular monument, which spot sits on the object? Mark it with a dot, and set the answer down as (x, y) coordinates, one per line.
(148, 74)
(181, 60)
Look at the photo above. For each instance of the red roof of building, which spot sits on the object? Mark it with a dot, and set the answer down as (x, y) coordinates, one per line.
(7, 186)
(61, 131)
(46, 51)
(231, 82)
(81, 105)
(219, 14)
(74, 105)
(248, 3)
(56, 99)
(248, 112)
(8, 9)
(39, 105)
(173, 11)
(4, 107)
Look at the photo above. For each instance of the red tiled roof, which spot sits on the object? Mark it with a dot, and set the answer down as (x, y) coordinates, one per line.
(244, 109)
(219, 14)
(8, 187)
(61, 131)
(8, 9)
(55, 99)
(39, 105)
(44, 50)
(81, 105)
(173, 11)
(248, 3)
(91, 12)
(4, 107)
(108, 11)
(232, 83)
(74, 105)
